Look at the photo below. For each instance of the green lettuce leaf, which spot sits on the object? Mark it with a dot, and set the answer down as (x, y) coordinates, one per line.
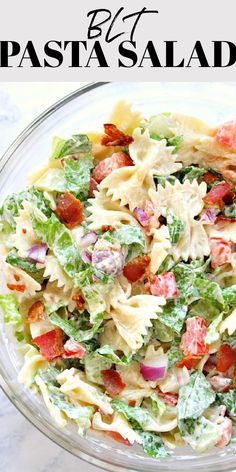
(16, 261)
(191, 173)
(166, 265)
(173, 315)
(174, 354)
(94, 364)
(213, 330)
(132, 237)
(209, 290)
(158, 406)
(162, 332)
(153, 445)
(53, 180)
(159, 127)
(70, 330)
(229, 400)
(94, 296)
(9, 306)
(108, 353)
(77, 175)
(230, 210)
(175, 226)
(162, 179)
(229, 295)
(201, 434)
(60, 241)
(208, 309)
(79, 143)
(137, 416)
(195, 397)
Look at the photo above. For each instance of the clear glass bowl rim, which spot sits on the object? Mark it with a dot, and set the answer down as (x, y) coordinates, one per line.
(6, 387)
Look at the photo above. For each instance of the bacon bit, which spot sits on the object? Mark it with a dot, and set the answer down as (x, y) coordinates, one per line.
(36, 312)
(168, 398)
(220, 195)
(115, 137)
(220, 384)
(132, 403)
(17, 288)
(226, 134)
(227, 431)
(79, 301)
(106, 228)
(226, 357)
(24, 231)
(117, 437)
(221, 251)
(92, 186)
(73, 349)
(153, 217)
(221, 219)
(16, 277)
(112, 381)
(233, 385)
(136, 268)
(163, 285)
(70, 210)
(210, 178)
(50, 344)
(189, 362)
(193, 340)
(108, 165)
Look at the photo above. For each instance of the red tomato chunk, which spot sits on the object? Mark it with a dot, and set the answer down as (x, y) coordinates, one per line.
(193, 340)
(226, 134)
(70, 210)
(112, 381)
(73, 349)
(221, 251)
(105, 167)
(226, 357)
(50, 344)
(163, 285)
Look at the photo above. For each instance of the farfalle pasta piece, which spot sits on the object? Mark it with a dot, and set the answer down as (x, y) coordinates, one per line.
(225, 230)
(186, 202)
(119, 424)
(130, 185)
(132, 377)
(111, 337)
(25, 236)
(15, 276)
(124, 117)
(103, 211)
(159, 247)
(133, 317)
(55, 273)
(33, 361)
(55, 412)
(55, 297)
(73, 384)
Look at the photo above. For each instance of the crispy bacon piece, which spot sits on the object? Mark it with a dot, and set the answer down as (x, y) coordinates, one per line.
(210, 178)
(220, 195)
(167, 397)
(226, 357)
(115, 137)
(136, 268)
(193, 340)
(70, 210)
(105, 167)
(106, 228)
(221, 219)
(221, 251)
(79, 301)
(36, 312)
(73, 349)
(226, 134)
(112, 381)
(92, 186)
(117, 437)
(163, 285)
(50, 344)
(16, 287)
(189, 362)
(132, 403)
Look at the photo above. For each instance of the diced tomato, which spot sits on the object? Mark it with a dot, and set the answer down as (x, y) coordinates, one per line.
(115, 137)
(220, 195)
(36, 312)
(73, 349)
(210, 178)
(112, 381)
(221, 251)
(233, 385)
(108, 165)
(70, 210)
(193, 340)
(50, 344)
(163, 285)
(16, 287)
(227, 431)
(136, 268)
(167, 397)
(189, 362)
(79, 301)
(117, 437)
(226, 134)
(92, 186)
(226, 357)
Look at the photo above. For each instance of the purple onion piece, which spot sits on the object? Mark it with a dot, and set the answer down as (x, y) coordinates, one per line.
(154, 369)
(208, 216)
(109, 262)
(86, 257)
(75, 158)
(88, 239)
(142, 216)
(37, 253)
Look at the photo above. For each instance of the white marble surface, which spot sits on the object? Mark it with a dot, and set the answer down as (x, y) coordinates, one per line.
(22, 447)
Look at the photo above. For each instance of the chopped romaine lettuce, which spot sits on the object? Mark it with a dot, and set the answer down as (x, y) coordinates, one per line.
(161, 179)
(173, 315)
(108, 353)
(9, 306)
(162, 332)
(229, 295)
(16, 261)
(190, 173)
(166, 265)
(213, 330)
(209, 290)
(72, 332)
(77, 175)
(132, 237)
(201, 433)
(174, 354)
(153, 445)
(79, 143)
(94, 364)
(229, 400)
(94, 296)
(158, 406)
(230, 210)
(53, 180)
(175, 226)
(195, 397)
(137, 416)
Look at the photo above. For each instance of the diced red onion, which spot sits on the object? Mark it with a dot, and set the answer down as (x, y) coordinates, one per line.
(208, 216)
(86, 257)
(155, 368)
(37, 253)
(142, 216)
(88, 239)
(75, 158)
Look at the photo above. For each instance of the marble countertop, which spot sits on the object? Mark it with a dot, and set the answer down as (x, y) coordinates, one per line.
(20, 103)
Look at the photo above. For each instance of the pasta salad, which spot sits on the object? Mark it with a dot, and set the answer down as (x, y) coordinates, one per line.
(120, 266)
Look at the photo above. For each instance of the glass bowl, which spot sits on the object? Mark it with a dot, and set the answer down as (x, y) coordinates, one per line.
(85, 110)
